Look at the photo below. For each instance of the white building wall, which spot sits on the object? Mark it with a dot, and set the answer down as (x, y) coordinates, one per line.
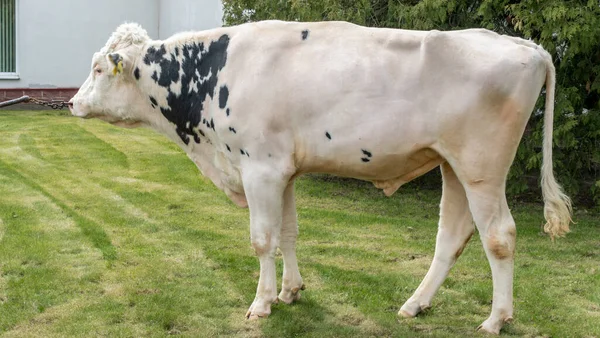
(56, 39)
(188, 15)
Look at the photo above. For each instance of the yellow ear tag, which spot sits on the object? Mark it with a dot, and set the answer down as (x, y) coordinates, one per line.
(118, 68)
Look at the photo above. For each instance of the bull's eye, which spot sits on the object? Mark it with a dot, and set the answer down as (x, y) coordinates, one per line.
(98, 71)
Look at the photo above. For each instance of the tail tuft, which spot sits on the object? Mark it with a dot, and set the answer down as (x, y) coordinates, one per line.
(557, 209)
(557, 205)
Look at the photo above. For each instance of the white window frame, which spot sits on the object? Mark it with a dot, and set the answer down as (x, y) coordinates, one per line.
(14, 75)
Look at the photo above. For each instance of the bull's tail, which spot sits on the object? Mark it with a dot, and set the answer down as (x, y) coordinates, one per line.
(557, 205)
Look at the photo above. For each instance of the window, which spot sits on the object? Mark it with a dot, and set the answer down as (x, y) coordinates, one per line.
(8, 37)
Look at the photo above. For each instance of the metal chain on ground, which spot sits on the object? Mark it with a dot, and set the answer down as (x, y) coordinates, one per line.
(54, 104)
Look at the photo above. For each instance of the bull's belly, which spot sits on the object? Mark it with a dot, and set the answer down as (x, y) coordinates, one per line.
(387, 171)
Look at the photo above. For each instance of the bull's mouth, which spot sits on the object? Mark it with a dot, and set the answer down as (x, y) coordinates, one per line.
(98, 116)
(78, 113)
(127, 123)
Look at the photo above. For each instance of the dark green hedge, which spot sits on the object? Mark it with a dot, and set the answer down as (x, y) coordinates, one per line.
(569, 30)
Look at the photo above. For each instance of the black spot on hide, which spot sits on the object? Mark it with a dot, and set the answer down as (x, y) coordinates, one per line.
(184, 137)
(136, 73)
(228, 111)
(305, 34)
(368, 155)
(169, 66)
(231, 129)
(153, 100)
(328, 135)
(223, 96)
(199, 66)
(228, 149)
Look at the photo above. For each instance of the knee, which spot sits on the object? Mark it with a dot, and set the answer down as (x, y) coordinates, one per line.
(263, 244)
(501, 243)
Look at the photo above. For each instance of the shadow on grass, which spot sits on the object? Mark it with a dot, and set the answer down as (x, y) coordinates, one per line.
(377, 297)
(241, 271)
(303, 317)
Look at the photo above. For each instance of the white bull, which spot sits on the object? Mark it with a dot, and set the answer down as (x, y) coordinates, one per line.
(257, 105)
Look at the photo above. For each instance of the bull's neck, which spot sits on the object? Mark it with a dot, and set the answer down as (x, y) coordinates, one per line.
(184, 74)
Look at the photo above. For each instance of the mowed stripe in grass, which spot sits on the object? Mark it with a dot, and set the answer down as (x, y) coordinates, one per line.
(138, 291)
(117, 234)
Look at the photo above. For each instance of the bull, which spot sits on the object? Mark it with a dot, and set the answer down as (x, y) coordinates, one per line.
(257, 105)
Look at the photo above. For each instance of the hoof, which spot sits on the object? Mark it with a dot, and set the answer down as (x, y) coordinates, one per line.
(256, 317)
(260, 310)
(410, 310)
(487, 329)
(494, 326)
(290, 300)
(482, 328)
(291, 296)
(405, 314)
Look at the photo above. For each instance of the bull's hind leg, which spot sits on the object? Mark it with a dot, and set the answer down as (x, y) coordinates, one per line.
(264, 191)
(292, 281)
(455, 230)
(483, 175)
(482, 162)
(497, 231)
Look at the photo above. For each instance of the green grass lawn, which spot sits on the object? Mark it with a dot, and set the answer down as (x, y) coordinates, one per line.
(113, 232)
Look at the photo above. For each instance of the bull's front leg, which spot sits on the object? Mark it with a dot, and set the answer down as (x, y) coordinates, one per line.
(264, 192)
(292, 281)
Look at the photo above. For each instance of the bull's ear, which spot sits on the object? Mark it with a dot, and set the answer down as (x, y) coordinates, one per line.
(117, 61)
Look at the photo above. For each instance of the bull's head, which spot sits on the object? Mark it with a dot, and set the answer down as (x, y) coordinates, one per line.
(110, 92)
